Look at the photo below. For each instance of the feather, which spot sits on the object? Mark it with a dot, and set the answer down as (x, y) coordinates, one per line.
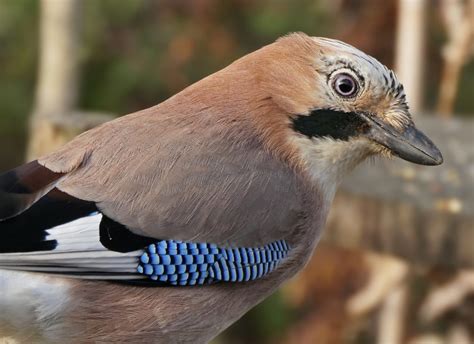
(25, 232)
(78, 252)
(185, 263)
(23, 186)
(210, 164)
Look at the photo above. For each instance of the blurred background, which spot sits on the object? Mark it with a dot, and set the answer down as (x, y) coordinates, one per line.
(396, 262)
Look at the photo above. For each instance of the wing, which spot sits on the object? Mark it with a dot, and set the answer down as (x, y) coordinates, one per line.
(23, 186)
(177, 206)
(184, 177)
(63, 235)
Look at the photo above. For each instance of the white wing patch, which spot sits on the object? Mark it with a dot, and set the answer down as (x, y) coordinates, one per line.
(78, 253)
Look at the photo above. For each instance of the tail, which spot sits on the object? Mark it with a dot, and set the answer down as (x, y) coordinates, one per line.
(75, 250)
(46, 230)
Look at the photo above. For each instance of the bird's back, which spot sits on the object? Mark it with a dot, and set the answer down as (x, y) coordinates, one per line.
(193, 168)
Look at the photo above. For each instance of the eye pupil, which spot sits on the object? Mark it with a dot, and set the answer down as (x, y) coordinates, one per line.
(345, 85)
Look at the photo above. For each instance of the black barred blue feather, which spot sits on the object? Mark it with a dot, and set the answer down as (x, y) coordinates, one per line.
(61, 234)
(185, 263)
(95, 247)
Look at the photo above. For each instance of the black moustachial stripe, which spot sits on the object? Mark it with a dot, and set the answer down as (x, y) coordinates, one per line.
(337, 125)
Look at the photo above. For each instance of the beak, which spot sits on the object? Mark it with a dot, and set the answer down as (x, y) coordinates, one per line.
(409, 143)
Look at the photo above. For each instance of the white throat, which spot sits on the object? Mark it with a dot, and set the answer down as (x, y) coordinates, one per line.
(328, 161)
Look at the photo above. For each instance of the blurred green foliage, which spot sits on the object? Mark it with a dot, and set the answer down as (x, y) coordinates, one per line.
(18, 59)
(268, 322)
(136, 53)
(141, 52)
(465, 100)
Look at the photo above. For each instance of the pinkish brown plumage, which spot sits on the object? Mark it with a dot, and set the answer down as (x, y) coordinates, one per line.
(246, 157)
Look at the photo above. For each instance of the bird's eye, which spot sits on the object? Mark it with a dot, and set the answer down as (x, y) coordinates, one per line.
(345, 85)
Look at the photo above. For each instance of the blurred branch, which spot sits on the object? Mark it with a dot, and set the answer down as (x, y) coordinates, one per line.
(392, 314)
(410, 49)
(54, 120)
(458, 334)
(386, 273)
(458, 17)
(387, 288)
(448, 296)
(427, 338)
(423, 214)
(58, 77)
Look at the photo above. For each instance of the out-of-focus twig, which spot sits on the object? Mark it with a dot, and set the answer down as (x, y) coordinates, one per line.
(427, 338)
(458, 334)
(409, 54)
(54, 120)
(58, 71)
(387, 288)
(392, 315)
(458, 18)
(424, 215)
(447, 296)
(385, 274)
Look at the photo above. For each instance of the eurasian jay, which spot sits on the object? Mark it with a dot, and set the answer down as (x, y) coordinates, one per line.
(168, 224)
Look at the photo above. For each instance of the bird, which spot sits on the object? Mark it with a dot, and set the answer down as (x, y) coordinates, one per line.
(168, 224)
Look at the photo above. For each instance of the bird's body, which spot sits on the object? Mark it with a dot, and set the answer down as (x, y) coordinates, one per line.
(247, 157)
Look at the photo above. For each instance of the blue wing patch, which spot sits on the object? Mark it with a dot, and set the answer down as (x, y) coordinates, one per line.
(185, 263)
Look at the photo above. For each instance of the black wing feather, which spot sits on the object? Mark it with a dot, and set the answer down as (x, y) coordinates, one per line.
(26, 232)
(30, 204)
(21, 187)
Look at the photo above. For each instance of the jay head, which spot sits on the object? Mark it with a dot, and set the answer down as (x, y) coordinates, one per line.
(215, 196)
(338, 106)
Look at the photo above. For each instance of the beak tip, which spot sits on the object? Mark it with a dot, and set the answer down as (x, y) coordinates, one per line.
(408, 144)
(429, 157)
(432, 155)
(437, 159)
(426, 160)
